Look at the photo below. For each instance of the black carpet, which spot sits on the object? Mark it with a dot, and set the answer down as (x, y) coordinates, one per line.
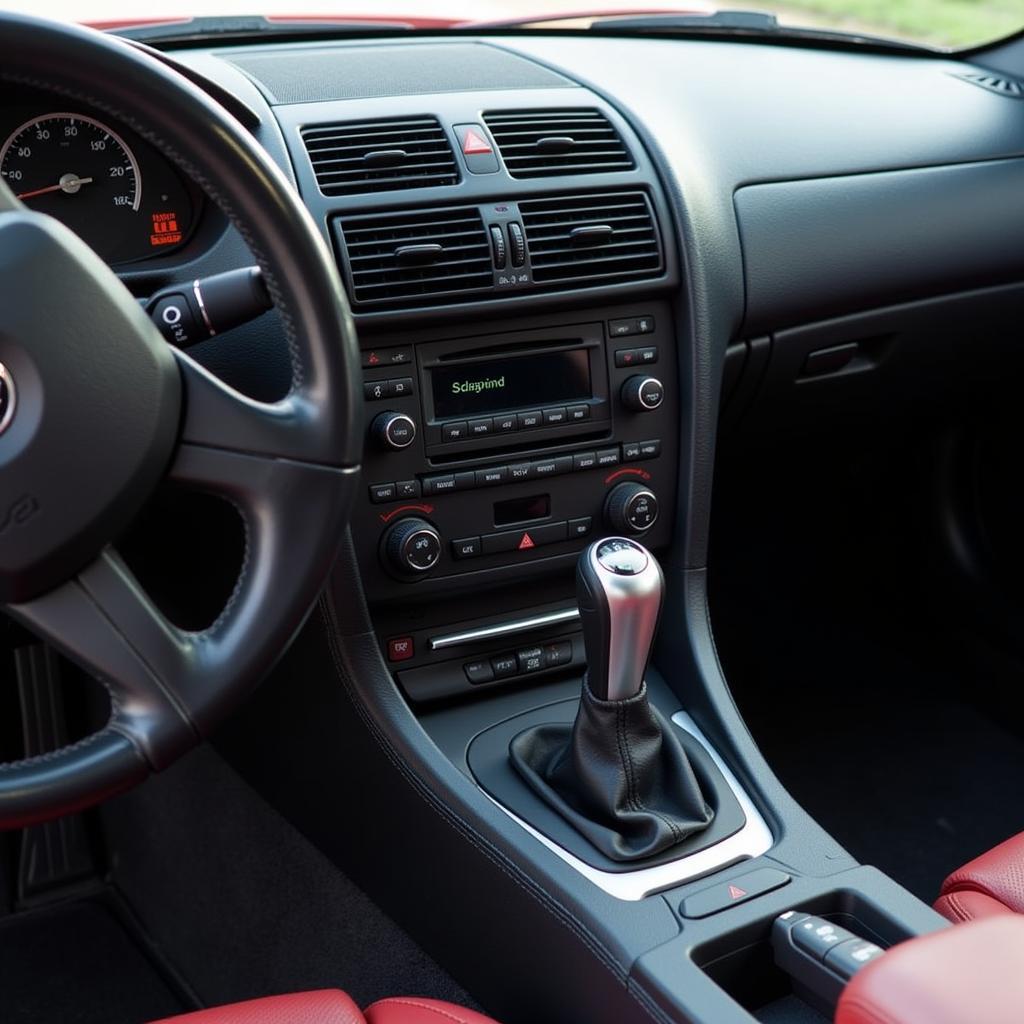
(78, 964)
(242, 905)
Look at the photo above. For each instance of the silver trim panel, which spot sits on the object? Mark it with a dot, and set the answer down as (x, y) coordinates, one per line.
(754, 839)
(439, 643)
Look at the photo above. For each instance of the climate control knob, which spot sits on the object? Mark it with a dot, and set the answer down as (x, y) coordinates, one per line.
(642, 394)
(412, 547)
(631, 509)
(393, 430)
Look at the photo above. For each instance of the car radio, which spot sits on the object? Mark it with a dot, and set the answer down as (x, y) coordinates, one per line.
(503, 452)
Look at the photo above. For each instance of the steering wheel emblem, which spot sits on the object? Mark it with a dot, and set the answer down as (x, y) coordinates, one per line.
(8, 398)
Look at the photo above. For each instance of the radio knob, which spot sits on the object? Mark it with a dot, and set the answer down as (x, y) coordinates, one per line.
(631, 509)
(393, 430)
(412, 547)
(642, 394)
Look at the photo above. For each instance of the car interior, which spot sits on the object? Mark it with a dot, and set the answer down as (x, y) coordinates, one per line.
(509, 523)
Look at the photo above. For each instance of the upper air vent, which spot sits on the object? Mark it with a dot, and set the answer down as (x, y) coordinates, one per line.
(1000, 84)
(380, 156)
(421, 255)
(549, 143)
(584, 238)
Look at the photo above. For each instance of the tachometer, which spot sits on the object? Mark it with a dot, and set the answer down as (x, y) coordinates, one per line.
(80, 171)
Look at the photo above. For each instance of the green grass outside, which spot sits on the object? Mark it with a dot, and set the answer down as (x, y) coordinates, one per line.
(936, 22)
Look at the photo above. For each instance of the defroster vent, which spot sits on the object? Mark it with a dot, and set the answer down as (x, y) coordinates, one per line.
(380, 156)
(591, 237)
(415, 257)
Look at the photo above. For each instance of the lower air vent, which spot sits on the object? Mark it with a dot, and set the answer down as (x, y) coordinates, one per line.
(1000, 84)
(548, 143)
(417, 257)
(380, 156)
(584, 238)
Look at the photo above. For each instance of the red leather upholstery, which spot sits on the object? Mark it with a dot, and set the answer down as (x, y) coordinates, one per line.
(966, 975)
(410, 1010)
(330, 1006)
(326, 1006)
(990, 884)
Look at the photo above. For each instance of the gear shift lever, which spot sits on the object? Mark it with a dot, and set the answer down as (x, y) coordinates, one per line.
(619, 776)
(619, 589)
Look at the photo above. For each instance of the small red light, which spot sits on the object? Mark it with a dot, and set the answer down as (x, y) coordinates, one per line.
(165, 230)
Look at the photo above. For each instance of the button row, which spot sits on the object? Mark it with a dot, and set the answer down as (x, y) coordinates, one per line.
(521, 662)
(636, 356)
(463, 430)
(400, 356)
(380, 493)
(521, 540)
(631, 325)
(517, 472)
(375, 390)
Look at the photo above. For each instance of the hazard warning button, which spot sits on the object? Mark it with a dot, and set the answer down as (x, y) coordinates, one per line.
(727, 894)
(477, 151)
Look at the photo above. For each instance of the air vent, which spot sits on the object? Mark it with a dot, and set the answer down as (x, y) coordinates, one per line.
(549, 143)
(605, 236)
(423, 255)
(380, 156)
(1000, 84)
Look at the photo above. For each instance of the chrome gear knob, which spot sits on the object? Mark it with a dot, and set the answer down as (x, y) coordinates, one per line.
(619, 587)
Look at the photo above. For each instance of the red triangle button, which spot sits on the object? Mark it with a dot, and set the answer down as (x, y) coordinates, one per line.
(736, 893)
(526, 543)
(473, 143)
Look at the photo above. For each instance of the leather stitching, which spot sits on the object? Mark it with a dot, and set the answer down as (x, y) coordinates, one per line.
(451, 817)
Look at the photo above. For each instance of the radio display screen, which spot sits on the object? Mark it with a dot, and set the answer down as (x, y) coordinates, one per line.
(511, 382)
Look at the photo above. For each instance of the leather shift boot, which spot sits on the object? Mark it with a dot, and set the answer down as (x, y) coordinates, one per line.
(618, 775)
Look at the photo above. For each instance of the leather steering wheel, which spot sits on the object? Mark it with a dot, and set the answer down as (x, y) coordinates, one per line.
(98, 410)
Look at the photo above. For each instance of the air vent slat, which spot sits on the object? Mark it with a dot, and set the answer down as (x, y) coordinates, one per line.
(631, 250)
(416, 150)
(379, 279)
(520, 137)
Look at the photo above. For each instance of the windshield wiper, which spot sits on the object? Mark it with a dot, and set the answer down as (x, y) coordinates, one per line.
(240, 27)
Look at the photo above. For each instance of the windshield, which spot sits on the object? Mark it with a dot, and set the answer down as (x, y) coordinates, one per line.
(938, 23)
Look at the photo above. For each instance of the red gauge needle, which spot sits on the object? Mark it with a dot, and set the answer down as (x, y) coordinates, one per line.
(68, 183)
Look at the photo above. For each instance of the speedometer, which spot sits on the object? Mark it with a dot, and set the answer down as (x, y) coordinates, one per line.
(80, 171)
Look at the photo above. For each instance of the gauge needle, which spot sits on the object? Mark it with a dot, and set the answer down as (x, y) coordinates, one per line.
(69, 183)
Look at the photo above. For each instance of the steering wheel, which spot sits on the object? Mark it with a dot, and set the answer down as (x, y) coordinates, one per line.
(96, 410)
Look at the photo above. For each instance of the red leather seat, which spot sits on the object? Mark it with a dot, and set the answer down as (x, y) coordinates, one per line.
(989, 885)
(331, 1006)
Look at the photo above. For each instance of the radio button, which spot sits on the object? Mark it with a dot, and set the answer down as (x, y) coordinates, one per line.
(623, 328)
(438, 485)
(481, 427)
(551, 467)
(608, 457)
(479, 671)
(531, 419)
(626, 357)
(408, 488)
(387, 357)
(519, 471)
(468, 547)
(584, 460)
(504, 665)
(506, 424)
(556, 416)
(531, 659)
(578, 413)
(454, 431)
(648, 355)
(559, 653)
(375, 390)
(499, 543)
(650, 449)
(645, 324)
(382, 492)
(580, 527)
(492, 476)
(631, 451)
(400, 387)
